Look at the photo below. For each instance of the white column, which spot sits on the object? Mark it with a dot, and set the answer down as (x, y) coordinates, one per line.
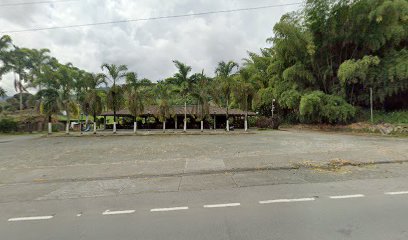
(49, 128)
(114, 127)
(185, 116)
(67, 128)
(202, 126)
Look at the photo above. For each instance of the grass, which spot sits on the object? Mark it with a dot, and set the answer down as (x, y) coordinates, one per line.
(397, 117)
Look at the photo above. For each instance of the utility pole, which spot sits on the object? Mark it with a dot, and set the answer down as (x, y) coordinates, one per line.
(371, 105)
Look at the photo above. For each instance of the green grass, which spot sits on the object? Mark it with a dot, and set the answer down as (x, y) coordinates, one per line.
(397, 117)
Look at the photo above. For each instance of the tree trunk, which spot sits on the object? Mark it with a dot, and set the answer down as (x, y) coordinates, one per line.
(246, 115)
(134, 125)
(21, 99)
(94, 120)
(67, 126)
(202, 126)
(226, 115)
(175, 123)
(185, 117)
(49, 125)
(164, 126)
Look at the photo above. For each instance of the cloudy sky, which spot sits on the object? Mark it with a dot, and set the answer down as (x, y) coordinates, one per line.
(147, 47)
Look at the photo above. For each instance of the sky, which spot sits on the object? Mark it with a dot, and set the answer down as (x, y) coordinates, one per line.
(147, 47)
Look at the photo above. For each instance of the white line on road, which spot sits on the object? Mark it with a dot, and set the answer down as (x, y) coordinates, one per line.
(222, 205)
(30, 218)
(396, 193)
(287, 200)
(347, 196)
(108, 212)
(168, 209)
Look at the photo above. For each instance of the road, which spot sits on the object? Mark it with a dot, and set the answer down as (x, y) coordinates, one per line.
(356, 209)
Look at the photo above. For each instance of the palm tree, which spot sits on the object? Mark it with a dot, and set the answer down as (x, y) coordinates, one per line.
(163, 98)
(185, 83)
(18, 62)
(93, 100)
(115, 94)
(201, 92)
(135, 97)
(50, 104)
(244, 90)
(5, 44)
(66, 81)
(224, 77)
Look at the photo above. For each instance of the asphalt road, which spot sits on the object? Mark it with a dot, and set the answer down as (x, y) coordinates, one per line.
(358, 209)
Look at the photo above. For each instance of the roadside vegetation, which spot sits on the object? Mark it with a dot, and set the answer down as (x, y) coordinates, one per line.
(321, 65)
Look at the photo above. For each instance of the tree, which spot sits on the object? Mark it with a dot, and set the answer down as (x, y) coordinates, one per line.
(164, 104)
(115, 93)
(244, 91)
(202, 93)
(223, 82)
(185, 84)
(67, 76)
(5, 44)
(136, 96)
(93, 99)
(50, 104)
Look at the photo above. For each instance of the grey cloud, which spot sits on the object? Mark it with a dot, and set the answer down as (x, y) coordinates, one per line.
(147, 47)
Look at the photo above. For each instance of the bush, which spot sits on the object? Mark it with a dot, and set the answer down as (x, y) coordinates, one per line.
(8, 125)
(318, 107)
(267, 122)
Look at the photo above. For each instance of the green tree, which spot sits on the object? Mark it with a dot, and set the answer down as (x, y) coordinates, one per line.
(115, 97)
(202, 93)
(93, 96)
(163, 102)
(185, 84)
(136, 96)
(244, 89)
(223, 84)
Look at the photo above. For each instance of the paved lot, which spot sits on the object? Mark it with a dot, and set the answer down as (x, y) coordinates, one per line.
(42, 159)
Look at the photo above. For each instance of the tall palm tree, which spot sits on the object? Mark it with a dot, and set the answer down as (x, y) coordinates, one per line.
(93, 103)
(135, 97)
(50, 104)
(163, 101)
(244, 90)
(5, 44)
(201, 92)
(66, 80)
(224, 77)
(115, 94)
(185, 83)
(18, 62)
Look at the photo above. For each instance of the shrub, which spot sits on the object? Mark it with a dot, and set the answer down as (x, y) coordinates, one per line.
(318, 107)
(267, 122)
(8, 125)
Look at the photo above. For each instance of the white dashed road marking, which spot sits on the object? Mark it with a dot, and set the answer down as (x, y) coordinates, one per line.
(396, 193)
(222, 205)
(30, 218)
(168, 209)
(108, 212)
(347, 196)
(287, 200)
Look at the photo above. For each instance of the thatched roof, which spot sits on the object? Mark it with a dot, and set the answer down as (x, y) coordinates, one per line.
(179, 110)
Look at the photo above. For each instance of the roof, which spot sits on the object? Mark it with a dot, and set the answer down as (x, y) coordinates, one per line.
(179, 110)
